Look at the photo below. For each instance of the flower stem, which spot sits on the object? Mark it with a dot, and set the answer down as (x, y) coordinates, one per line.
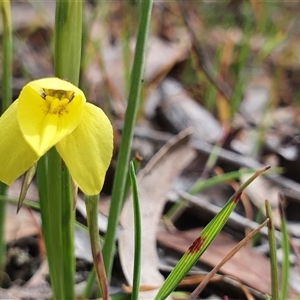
(7, 56)
(67, 228)
(273, 255)
(68, 35)
(6, 101)
(3, 188)
(91, 203)
(125, 147)
(49, 182)
(68, 30)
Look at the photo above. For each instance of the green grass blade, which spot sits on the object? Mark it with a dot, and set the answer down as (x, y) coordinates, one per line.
(68, 35)
(202, 241)
(6, 96)
(136, 164)
(67, 228)
(3, 189)
(6, 99)
(125, 147)
(201, 185)
(27, 203)
(229, 255)
(284, 284)
(273, 256)
(240, 74)
(137, 234)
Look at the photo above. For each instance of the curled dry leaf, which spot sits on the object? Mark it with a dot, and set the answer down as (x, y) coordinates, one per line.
(154, 181)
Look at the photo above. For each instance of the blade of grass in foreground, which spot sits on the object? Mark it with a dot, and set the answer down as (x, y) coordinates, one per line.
(233, 251)
(6, 99)
(273, 256)
(125, 147)
(200, 244)
(286, 252)
(137, 234)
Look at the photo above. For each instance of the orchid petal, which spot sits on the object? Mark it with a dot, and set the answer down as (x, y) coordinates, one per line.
(49, 109)
(16, 156)
(87, 151)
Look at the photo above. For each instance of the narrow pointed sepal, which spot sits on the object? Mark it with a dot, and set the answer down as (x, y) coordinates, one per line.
(28, 177)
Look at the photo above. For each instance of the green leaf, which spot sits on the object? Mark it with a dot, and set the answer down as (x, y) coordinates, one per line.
(137, 234)
(273, 256)
(119, 184)
(286, 253)
(201, 243)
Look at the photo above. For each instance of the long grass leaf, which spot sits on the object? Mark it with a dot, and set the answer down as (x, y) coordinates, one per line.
(125, 146)
(137, 234)
(273, 256)
(284, 283)
(204, 239)
(233, 251)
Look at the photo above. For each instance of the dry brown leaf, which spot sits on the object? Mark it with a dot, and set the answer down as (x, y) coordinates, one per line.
(154, 181)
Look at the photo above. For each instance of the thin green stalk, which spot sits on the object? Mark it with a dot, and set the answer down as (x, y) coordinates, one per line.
(137, 234)
(27, 203)
(201, 185)
(3, 188)
(125, 147)
(68, 35)
(49, 182)
(286, 254)
(91, 203)
(126, 53)
(67, 227)
(241, 78)
(89, 284)
(273, 256)
(6, 96)
(6, 101)
(136, 164)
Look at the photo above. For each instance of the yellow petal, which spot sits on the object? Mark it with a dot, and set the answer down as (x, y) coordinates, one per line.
(48, 110)
(87, 151)
(16, 156)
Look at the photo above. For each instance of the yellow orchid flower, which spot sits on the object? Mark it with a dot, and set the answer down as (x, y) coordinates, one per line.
(53, 112)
